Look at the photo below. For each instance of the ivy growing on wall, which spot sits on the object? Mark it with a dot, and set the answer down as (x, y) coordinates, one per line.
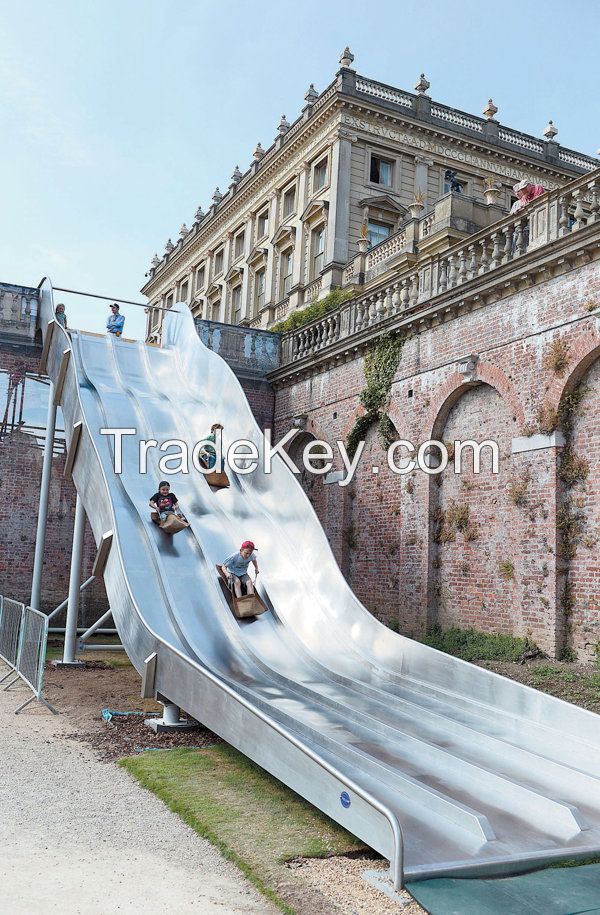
(381, 363)
(328, 303)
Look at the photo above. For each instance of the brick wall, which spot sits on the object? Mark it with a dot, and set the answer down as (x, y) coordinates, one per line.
(509, 573)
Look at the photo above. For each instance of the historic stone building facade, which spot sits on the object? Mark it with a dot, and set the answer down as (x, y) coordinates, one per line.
(361, 157)
(500, 340)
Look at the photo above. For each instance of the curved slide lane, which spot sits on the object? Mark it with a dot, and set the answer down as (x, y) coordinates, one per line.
(442, 767)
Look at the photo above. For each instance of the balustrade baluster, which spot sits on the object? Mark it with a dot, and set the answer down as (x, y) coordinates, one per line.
(373, 309)
(563, 221)
(496, 251)
(387, 304)
(462, 266)
(380, 306)
(443, 276)
(414, 294)
(472, 261)
(453, 274)
(360, 314)
(405, 294)
(518, 242)
(595, 205)
(508, 232)
(579, 211)
(396, 298)
(484, 263)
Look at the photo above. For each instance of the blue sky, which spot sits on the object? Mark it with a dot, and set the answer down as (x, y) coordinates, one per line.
(118, 119)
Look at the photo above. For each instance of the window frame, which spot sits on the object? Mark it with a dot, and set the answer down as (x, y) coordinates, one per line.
(259, 298)
(237, 290)
(262, 215)
(291, 189)
(314, 272)
(322, 160)
(201, 268)
(382, 224)
(219, 261)
(392, 162)
(239, 235)
(287, 258)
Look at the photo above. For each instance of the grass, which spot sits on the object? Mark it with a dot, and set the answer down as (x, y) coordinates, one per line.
(253, 819)
(471, 645)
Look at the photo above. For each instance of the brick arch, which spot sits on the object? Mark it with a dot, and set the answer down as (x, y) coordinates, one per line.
(455, 386)
(584, 354)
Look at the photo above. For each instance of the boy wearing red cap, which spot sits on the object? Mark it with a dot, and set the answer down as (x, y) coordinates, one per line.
(235, 567)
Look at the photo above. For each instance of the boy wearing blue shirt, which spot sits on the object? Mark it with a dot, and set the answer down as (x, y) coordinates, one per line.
(235, 567)
(115, 321)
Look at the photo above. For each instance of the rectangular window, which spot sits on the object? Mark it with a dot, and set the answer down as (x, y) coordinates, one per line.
(318, 251)
(320, 174)
(259, 290)
(183, 294)
(213, 310)
(262, 224)
(219, 260)
(287, 266)
(289, 202)
(169, 302)
(238, 244)
(377, 231)
(200, 275)
(236, 305)
(382, 171)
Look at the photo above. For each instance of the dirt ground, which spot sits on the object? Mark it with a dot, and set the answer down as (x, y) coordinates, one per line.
(332, 886)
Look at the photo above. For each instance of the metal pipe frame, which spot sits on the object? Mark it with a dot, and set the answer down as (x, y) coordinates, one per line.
(94, 627)
(40, 537)
(74, 583)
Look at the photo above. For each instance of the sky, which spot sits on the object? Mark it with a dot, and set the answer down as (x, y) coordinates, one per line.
(117, 119)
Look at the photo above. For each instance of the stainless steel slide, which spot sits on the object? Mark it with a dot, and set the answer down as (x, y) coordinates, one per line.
(442, 767)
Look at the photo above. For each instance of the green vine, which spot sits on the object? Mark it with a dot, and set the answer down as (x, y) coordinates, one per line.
(381, 363)
(328, 303)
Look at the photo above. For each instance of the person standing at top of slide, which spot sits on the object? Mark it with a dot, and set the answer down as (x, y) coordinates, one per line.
(115, 321)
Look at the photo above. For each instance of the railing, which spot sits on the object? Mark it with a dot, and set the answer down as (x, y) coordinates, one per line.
(311, 292)
(23, 640)
(386, 249)
(550, 217)
(452, 116)
(388, 93)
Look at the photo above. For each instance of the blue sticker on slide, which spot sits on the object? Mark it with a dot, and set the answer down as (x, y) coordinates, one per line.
(345, 799)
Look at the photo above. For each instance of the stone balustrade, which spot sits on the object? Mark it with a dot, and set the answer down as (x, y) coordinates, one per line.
(549, 218)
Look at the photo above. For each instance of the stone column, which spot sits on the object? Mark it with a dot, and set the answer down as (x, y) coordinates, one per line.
(270, 274)
(336, 252)
(246, 285)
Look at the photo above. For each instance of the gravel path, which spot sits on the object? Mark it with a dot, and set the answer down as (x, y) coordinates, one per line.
(80, 836)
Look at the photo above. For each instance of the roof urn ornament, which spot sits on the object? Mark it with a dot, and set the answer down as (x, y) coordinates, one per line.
(258, 153)
(422, 85)
(283, 126)
(199, 215)
(183, 232)
(490, 111)
(217, 196)
(237, 175)
(169, 246)
(311, 95)
(346, 58)
(550, 131)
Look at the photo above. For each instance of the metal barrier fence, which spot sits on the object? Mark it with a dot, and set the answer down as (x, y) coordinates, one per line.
(11, 622)
(23, 639)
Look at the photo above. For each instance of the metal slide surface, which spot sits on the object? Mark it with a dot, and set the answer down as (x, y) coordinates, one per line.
(482, 775)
